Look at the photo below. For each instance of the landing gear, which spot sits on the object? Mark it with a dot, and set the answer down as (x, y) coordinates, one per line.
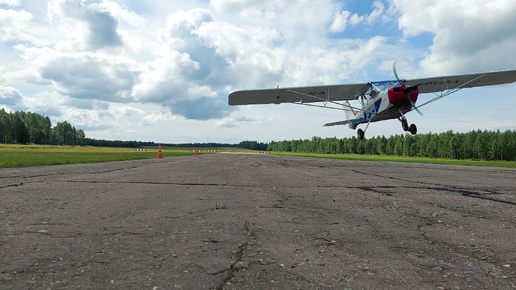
(404, 124)
(360, 134)
(413, 129)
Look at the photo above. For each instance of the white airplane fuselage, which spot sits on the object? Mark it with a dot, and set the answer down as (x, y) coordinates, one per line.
(389, 104)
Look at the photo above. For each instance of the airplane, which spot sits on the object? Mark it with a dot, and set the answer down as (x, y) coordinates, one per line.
(378, 101)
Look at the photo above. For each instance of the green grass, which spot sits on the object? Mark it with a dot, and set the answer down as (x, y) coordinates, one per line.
(35, 155)
(509, 164)
(40, 155)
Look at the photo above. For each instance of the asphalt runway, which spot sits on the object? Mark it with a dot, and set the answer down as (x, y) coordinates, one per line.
(257, 221)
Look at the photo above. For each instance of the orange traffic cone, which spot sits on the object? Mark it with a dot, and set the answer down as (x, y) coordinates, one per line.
(160, 155)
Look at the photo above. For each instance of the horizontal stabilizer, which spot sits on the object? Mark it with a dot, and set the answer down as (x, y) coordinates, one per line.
(337, 123)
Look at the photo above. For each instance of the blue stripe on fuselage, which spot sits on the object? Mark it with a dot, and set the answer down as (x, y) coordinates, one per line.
(366, 116)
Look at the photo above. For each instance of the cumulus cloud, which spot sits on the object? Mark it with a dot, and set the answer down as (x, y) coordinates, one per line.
(14, 25)
(153, 118)
(201, 109)
(102, 30)
(86, 76)
(343, 18)
(178, 61)
(196, 60)
(10, 2)
(468, 35)
(233, 122)
(9, 96)
(296, 20)
(114, 115)
(95, 22)
(186, 72)
(340, 22)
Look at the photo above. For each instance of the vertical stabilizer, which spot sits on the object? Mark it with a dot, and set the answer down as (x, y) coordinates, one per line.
(350, 112)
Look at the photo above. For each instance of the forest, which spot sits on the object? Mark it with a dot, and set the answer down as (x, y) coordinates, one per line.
(480, 145)
(33, 128)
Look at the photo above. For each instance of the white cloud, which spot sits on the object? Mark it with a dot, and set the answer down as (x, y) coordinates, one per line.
(14, 25)
(340, 22)
(469, 35)
(154, 118)
(233, 122)
(9, 96)
(10, 2)
(296, 20)
(116, 67)
(343, 18)
(186, 71)
(378, 12)
(94, 23)
(195, 61)
(82, 75)
(355, 19)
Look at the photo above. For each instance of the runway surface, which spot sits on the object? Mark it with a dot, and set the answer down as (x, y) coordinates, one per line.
(233, 221)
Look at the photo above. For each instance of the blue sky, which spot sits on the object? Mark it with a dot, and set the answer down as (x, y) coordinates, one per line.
(162, 70)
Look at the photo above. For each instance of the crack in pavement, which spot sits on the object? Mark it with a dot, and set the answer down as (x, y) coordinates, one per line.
(437, 187)
(232, 268)
(12, 185)
(67, 173)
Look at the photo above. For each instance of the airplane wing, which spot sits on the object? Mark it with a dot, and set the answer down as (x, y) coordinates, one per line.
(444, 83)
(330, 93)
(299, 94)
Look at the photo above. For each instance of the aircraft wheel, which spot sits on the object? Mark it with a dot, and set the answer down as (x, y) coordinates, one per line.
(413, 129)
(360, 134)
(404, 125)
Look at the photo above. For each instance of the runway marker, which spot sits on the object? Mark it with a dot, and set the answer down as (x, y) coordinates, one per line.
(160, 155)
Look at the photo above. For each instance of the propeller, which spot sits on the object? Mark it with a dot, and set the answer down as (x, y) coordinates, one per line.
(406, 89)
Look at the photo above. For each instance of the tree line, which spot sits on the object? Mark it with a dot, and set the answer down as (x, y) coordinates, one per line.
(33, 128)
(253, 145)
(25, 128)
(482, 145)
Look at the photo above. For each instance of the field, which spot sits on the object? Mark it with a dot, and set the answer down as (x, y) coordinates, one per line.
(405, 159)
(39, 155)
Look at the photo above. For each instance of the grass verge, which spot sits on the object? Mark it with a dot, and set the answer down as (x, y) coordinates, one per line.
(40, 155)
(37, 155)
(507, 164)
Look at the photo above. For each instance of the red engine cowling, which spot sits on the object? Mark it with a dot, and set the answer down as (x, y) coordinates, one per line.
(397, 94)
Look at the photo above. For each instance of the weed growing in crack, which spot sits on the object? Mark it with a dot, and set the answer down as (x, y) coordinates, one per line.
(250, 232)
(253, 234)
(220, 205)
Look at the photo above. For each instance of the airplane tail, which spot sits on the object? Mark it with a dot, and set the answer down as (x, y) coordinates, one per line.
(336, 123)
(350, 115)
(350, 112)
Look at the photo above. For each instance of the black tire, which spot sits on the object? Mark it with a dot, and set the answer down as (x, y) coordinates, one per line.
(360, 134)
(413, 129)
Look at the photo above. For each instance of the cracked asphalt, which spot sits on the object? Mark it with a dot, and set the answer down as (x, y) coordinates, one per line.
(257, 221)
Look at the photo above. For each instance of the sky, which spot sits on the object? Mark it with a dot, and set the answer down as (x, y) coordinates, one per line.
(162, 71)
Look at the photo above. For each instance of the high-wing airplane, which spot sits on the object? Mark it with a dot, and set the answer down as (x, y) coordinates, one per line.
(377, 101)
